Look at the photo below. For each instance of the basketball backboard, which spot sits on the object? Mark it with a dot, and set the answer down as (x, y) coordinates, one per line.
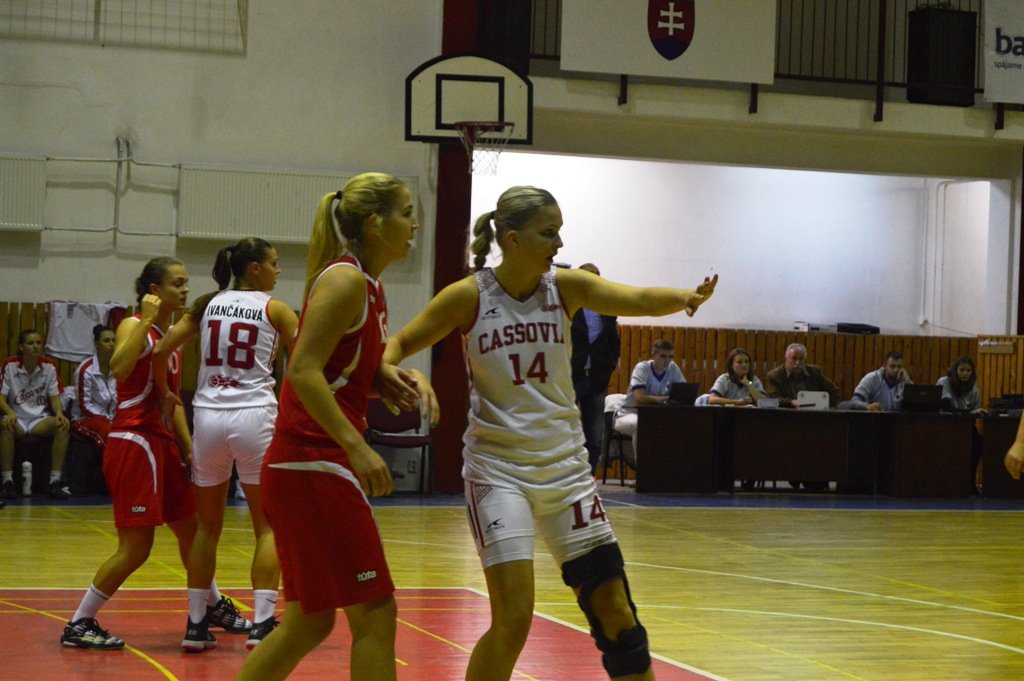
(446, 90)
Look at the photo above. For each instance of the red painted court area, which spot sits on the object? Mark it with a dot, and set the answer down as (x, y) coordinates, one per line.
(436, 631)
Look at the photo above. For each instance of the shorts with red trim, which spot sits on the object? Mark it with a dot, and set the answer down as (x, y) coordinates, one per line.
(327, 540)
(96, 428)
(147, 479)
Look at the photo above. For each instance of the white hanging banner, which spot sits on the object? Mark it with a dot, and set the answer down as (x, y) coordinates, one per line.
(1004, 51)
(730, 41)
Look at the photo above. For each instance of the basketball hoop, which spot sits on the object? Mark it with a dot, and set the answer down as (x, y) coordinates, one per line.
(487, 139)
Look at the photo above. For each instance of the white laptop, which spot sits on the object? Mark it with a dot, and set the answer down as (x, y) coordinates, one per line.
(812, 399)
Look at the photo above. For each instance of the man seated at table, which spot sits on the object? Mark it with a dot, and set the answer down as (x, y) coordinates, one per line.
(786, 381)
(649, 384)
(882, 389)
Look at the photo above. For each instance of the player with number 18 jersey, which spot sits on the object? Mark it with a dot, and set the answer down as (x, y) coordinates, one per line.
(235, 404)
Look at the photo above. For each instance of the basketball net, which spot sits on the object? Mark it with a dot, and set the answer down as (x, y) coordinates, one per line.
(484, 141)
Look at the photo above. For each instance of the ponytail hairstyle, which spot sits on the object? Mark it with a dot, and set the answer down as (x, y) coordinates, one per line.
(341, 215)
(956, 385)
(516, 206)
(153, 273)
(233, 261)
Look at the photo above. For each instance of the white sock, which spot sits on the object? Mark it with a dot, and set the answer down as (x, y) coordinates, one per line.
(266, 603)
(214, 597)
(197, 604)
(54, 476)
(92, 601)
(8, 475)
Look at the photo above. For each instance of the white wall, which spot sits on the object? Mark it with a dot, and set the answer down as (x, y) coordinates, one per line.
(324, 91)
(685, 122)
(317, 90)
(963, 297)
(788, 245)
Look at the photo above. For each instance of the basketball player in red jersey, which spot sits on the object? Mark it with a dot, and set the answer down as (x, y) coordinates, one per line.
(319, 470)
(144, 462)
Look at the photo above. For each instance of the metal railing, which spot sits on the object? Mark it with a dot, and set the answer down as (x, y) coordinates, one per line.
(833, 41)
(838, 41)
(190, 25)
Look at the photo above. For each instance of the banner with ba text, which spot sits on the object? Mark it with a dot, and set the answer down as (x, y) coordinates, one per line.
(1004, 51)
(722, 40)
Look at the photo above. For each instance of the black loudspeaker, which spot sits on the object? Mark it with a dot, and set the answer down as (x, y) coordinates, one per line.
(941, 45)
(851, 327)
(504, 32)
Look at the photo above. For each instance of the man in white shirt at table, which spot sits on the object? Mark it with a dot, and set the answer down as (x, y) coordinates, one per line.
(649, 384)
(882, 389)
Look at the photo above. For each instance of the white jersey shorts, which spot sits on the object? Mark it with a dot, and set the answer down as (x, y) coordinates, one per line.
(231, 436)
(28, 424)
(569, 517)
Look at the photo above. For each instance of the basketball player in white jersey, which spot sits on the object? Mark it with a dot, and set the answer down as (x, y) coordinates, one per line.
(234, 412)
(524, 455)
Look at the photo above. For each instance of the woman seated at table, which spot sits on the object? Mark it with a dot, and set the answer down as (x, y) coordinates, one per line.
(738, 386)
(959, 393)
(960, 396)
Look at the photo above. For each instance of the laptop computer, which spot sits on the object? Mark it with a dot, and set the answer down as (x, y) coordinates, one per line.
(922, 398)
(815, 400)
(682, 394)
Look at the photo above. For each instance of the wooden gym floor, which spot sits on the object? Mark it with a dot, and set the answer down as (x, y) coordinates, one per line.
(750, 587)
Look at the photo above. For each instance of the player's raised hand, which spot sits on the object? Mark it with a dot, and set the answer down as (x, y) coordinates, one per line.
(701, 294)
(150, 307)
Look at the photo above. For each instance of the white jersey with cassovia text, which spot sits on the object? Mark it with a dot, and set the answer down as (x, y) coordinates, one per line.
(522, 404)
(238, 346)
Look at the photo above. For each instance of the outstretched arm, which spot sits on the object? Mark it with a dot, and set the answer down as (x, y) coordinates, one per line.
(582, 289)
(452, 308)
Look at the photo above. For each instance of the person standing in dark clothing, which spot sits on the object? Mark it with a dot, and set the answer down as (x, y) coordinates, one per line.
(595, 355)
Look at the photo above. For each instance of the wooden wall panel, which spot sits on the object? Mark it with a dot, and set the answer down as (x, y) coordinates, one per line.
(702, 352)
(845, 358)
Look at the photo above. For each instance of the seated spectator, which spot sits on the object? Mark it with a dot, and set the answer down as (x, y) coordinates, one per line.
(649, 384)
(96, 389)
(959, 393)
(30, 402)
(787, 380)
(881, 389)
(738, 386)
(960, 396)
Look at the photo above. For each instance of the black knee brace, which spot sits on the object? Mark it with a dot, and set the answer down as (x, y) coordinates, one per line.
(629, 654)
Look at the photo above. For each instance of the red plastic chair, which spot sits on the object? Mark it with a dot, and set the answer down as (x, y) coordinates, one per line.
(398, 431)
